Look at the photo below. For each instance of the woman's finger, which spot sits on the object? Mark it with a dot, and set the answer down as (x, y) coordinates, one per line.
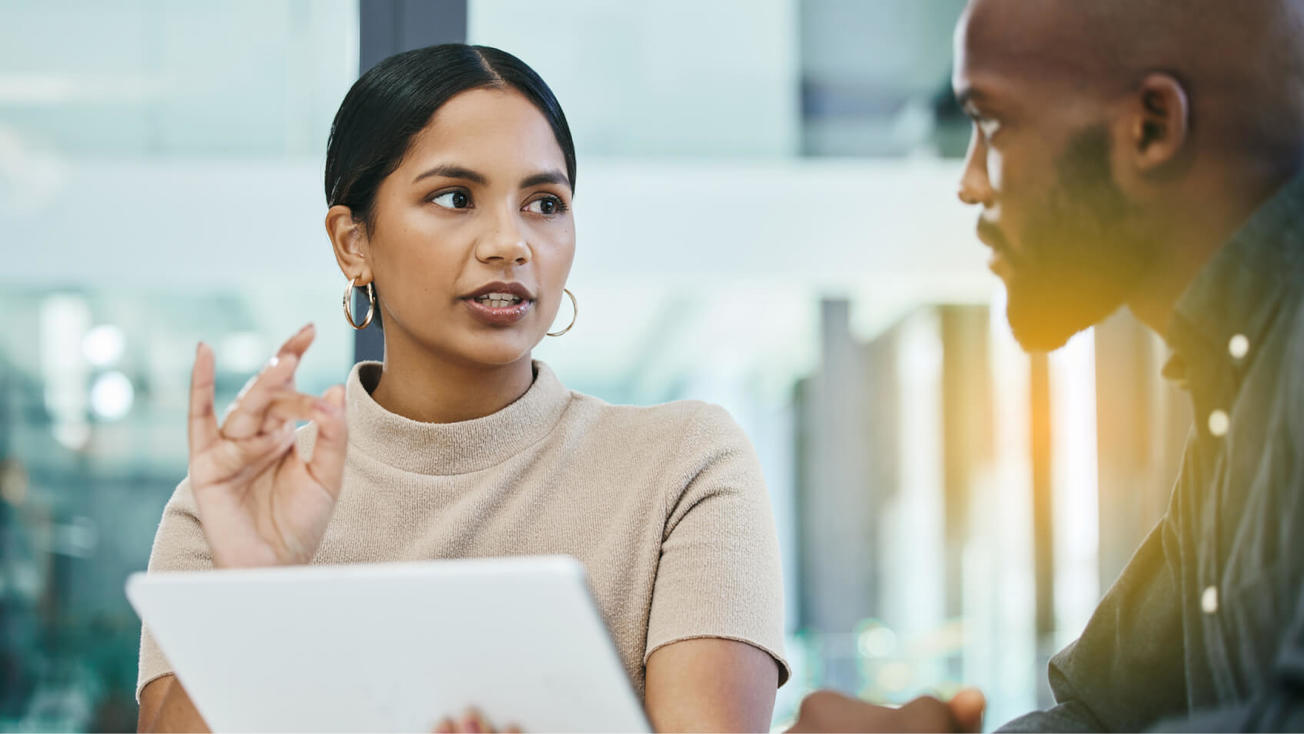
(249, 457)
(288, 406)
(299, 342)
(327, 464)
(202, 423)
(473, 721)
(245, 419)
(296, 345)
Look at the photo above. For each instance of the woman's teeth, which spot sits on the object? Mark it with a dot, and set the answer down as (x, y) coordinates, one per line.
(498, 300)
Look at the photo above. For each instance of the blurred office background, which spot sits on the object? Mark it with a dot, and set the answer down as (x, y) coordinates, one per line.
(766, 220)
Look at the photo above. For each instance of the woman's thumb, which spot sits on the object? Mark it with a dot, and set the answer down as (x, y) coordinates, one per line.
(967, 708)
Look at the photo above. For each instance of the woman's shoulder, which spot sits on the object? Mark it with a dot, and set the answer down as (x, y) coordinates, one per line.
(691, 424)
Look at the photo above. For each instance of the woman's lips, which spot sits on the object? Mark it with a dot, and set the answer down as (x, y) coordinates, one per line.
(498, 316)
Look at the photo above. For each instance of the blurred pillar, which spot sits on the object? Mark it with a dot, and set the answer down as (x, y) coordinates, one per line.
(387, 27)
(1043, 525)
(1142, 421)
(967, 423)
(834, 503)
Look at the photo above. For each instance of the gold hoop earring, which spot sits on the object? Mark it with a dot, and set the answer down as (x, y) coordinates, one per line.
(575, 307)
(348, 305)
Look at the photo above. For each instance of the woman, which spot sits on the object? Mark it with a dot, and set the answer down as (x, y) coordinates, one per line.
(449, 174)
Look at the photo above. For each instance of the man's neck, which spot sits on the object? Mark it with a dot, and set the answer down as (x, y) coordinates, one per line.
(1193, 230)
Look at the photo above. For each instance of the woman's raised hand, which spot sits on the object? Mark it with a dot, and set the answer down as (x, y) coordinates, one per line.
(259, 502)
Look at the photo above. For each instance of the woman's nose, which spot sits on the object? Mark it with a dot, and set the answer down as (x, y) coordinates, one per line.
(504, 242)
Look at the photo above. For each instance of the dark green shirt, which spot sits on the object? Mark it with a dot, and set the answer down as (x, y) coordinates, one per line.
(1204, 629)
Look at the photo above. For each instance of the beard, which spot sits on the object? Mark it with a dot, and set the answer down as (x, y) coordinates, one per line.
(1082, 255)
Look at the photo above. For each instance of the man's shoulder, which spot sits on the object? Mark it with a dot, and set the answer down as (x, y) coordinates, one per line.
(1292, 369)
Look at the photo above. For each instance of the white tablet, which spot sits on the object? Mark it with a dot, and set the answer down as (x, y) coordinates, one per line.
(391, 646)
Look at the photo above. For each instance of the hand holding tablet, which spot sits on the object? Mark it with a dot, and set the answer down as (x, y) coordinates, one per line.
(390, 647)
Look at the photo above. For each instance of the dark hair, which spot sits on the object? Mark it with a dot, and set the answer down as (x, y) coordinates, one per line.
(395, 100)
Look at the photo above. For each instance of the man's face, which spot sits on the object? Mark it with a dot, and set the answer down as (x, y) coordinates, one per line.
(1064, 238)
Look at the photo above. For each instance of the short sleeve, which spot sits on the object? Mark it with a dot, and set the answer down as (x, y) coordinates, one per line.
(179, 545)
(719, 574)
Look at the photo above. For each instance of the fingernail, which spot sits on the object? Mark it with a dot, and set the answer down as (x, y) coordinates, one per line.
(306, 327)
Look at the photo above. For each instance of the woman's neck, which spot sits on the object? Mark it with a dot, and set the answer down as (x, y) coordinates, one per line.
(422, 387)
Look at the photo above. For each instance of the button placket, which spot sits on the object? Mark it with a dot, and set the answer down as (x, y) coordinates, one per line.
(1219, 422)
(1209, 600)
(1238, 346)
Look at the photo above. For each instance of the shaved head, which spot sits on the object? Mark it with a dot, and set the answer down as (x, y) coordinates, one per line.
(1241, 61)
(1118, 143)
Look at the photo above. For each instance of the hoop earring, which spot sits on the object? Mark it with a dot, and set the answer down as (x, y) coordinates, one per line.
(575, 307)
(348, 306)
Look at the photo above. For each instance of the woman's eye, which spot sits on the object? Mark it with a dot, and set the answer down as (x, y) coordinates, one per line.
(453, 200)
(547, 206)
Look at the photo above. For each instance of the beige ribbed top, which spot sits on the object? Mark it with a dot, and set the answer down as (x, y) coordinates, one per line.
(665, 506)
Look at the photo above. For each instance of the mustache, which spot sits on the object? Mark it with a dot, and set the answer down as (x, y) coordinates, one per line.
(993, 236)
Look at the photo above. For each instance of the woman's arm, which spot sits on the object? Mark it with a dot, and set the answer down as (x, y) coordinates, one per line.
(711, 684)
(693, 685)
(165, 706)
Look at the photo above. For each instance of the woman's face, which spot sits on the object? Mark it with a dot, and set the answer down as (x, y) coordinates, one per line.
(473, 236)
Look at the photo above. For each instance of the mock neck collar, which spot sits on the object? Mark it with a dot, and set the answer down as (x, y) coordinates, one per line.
(451, 448)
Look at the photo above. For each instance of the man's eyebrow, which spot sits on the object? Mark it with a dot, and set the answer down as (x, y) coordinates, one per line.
(453, 171)
(546, 177)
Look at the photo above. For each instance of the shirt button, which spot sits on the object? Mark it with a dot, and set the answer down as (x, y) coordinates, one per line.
(1209, 600)
(1239, 346)
(1219, 423)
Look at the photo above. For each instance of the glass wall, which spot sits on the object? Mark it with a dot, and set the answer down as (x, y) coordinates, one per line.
(160, 183)
(766, 219)
(770, 184)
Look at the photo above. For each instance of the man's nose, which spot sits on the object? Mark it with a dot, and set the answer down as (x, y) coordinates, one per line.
(975, 186)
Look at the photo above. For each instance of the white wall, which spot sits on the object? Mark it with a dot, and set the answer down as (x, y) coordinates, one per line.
(673, 77)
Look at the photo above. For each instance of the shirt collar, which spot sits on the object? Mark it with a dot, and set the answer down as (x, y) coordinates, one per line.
(1235, 295)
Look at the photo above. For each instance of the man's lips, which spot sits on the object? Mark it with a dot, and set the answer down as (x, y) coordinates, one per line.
(1000, 262)
(992, 236)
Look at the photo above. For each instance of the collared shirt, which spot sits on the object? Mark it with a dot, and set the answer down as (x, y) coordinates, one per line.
(1204, 629)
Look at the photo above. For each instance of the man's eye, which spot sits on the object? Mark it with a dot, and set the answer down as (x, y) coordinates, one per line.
(548, 206)
(453, 200)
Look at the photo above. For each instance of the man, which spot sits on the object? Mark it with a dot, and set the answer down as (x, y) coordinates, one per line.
(1148, 153)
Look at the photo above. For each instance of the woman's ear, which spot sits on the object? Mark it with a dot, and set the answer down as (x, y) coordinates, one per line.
(349, 239)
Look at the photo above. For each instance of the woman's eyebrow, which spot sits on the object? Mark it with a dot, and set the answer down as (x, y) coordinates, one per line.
(452, 171)
(546, 177)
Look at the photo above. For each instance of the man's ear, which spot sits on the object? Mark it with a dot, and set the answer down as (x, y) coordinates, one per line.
(1155, 123)
(349, 239)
